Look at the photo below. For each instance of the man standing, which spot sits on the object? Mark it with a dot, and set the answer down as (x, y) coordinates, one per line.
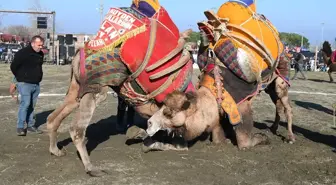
(299, 65)
(27, 69)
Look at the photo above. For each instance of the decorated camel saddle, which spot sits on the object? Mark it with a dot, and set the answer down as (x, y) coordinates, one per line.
(141, 48)
(240, 49)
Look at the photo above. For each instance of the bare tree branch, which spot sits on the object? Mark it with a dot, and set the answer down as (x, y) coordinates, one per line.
(19, 30)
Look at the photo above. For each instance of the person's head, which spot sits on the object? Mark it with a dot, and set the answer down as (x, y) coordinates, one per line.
(37, 43)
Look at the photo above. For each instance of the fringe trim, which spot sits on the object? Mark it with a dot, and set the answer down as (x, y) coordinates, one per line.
(122, 39)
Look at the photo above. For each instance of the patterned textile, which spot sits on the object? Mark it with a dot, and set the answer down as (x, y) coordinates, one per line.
(128, 42)
(236, 90)
(226, 52)
(202, 59)
(283, 66)
(245, 41)
(105, 69)
(228, 104)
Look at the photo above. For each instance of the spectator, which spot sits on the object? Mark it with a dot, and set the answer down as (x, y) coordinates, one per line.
(27, 69)
(298, 61)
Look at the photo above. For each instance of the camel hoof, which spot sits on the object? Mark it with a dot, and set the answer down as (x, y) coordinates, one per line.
(58, 153)
(96, 173)
(243, 148)
(291, 139)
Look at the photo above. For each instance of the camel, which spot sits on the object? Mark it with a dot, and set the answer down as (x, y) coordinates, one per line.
(142, 75)
(329, 59)
(192, 114)
(235, 67)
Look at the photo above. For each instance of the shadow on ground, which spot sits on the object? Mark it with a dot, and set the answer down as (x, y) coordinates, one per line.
(96, 133)
(329, 140)
(319, 80)
(311, 106)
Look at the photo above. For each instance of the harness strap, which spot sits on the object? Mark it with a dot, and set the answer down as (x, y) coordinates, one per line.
(149, 52)
(169, 56)
(180, 63)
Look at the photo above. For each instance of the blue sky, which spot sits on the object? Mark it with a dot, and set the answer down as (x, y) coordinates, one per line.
(301, 16)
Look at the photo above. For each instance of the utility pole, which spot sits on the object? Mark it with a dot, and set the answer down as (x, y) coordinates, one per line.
(101, 11)
(53, 13)
(301, 41)
(322, 31)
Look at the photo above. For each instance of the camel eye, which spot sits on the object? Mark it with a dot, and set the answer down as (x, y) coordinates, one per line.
(167, 112)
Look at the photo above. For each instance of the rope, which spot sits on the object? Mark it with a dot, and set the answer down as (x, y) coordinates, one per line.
(179, 64)
(169, 56)
(150, 48)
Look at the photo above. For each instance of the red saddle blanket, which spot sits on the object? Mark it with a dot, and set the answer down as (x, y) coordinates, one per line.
(133, 33)
(134, 50)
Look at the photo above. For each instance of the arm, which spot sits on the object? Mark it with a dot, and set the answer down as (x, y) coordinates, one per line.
(15, 65)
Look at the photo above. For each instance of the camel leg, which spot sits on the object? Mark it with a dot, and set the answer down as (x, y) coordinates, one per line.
(330, 75)
(78, 129)
(275, 125)
(218, 136)
(52, 127)
(289, 116)
(281, 89)
(54, 120)
(245, 138)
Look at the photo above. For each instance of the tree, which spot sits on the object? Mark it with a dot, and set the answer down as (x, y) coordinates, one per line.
(294, 39)
(22, 31)
(194, 37)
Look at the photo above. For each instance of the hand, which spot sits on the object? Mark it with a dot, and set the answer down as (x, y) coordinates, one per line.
(12, 90)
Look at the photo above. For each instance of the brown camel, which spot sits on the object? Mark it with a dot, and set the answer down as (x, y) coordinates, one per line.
(229, 83)
(142, 57)
(327, 58)
(192, 114)
(86, 106)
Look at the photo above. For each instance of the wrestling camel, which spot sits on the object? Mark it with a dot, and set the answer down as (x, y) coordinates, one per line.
(235, 68)
(142, 64)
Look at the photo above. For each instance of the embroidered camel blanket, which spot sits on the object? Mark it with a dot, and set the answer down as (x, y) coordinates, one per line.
(145, 40)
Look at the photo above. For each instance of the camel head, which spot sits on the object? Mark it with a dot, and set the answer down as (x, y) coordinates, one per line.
(173, 114)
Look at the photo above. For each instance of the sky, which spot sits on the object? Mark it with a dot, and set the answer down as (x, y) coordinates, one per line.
(82, 16)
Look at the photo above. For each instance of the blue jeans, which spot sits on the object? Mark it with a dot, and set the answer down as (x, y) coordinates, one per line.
(29, 94)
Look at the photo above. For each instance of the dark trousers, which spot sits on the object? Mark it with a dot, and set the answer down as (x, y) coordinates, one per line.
(299, 68)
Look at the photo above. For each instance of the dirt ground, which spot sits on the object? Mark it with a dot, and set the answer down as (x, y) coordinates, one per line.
(309, 161)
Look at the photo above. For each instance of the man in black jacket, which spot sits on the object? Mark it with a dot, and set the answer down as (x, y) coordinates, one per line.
(27, 69)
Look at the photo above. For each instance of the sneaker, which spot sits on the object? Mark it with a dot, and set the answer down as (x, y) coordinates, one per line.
(20, 132)
(34, 130)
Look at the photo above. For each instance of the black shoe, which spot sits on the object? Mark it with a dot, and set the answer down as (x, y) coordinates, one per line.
(34, 130)
(20, 132)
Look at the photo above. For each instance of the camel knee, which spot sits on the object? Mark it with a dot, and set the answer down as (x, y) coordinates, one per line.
(77, 134)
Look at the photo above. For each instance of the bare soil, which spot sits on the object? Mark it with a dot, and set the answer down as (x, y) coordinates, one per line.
(309, 161)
